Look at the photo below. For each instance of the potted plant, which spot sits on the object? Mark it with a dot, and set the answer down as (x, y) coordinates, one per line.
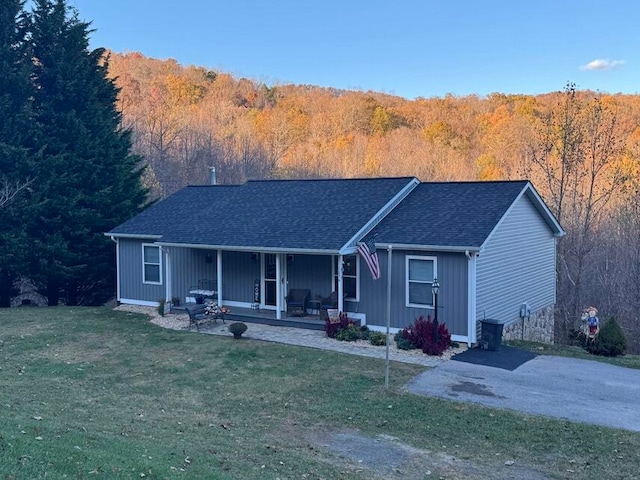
(237, 328)
(175, 301)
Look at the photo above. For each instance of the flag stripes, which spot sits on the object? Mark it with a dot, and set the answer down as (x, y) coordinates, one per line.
(370, 256)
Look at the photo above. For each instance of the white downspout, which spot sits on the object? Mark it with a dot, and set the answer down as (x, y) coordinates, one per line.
(219, 276)
(471, 298)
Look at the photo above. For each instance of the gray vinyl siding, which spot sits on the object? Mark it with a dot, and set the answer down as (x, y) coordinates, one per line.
(239, 271)
(452, 301)
(191, 267)
(312, 272)
(130, 269)
(517, 265)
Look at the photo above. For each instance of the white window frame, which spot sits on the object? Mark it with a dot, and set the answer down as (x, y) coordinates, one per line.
(144, 263)
(357, 275)
(408, 259)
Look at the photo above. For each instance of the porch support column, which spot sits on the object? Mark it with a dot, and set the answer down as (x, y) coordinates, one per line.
(279, 281)
(219, 275)
(472, 295)
(168, 294)
(340, 283)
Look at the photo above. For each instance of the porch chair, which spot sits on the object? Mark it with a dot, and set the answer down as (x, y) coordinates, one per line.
(328, 302)
(297, 301)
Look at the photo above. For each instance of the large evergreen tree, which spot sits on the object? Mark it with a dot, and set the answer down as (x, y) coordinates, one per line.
(87, 179)
(15, 124)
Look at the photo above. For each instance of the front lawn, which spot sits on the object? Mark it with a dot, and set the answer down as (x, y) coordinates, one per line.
(91, 393)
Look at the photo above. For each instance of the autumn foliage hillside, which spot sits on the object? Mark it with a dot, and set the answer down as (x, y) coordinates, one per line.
(579, 148)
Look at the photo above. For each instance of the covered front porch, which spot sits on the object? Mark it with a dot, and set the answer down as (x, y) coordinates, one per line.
(268, 317)
(257, 285)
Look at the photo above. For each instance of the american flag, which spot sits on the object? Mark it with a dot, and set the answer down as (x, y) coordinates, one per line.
(368, 252)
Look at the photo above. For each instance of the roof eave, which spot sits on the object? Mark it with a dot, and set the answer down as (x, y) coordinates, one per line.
(431, 248)
(252, 248)
(132, 235)
(380, 215)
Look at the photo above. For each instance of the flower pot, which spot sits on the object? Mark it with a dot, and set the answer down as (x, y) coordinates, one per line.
(237, 336)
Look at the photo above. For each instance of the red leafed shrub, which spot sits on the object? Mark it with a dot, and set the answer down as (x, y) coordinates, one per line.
(343, 323)
(424, 334)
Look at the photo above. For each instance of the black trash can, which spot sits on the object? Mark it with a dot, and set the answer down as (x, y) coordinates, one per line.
(491, 336)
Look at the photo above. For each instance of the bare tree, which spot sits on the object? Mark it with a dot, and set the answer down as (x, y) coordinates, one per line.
(10, 190)
(576, 156)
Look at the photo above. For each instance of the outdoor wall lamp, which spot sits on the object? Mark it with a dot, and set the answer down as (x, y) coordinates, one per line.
(435, 288)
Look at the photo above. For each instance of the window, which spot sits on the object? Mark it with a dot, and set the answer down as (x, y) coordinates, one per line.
(349, 276)
(420, 274)
(151, 264)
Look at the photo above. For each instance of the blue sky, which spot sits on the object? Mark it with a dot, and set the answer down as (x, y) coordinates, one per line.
(409, 48)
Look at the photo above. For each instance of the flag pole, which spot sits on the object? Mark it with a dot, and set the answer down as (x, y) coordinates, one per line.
(386, 367)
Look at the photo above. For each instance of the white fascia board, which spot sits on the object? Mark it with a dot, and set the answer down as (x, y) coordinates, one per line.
(538, 204)
(541, 206)
(379, 216)
(132, 235)
(430, 248)
(252, 249)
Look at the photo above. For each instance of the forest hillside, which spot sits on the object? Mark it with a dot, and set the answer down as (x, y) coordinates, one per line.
(579, 148)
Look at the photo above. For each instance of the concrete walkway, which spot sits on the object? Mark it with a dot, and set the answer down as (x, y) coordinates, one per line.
(318, 339)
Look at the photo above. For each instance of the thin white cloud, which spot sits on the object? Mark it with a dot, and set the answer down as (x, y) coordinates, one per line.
(602, 64)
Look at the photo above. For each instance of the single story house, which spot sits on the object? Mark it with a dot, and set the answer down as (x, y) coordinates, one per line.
(491, 246)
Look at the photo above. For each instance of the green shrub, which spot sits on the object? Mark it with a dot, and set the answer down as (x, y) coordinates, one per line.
(348, 334)
(403, 343)
(610, 341)
(237, 328)
(377, 338)
(365, 332)
(161, 305)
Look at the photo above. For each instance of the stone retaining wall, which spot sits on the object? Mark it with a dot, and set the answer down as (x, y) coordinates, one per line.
(538, 327)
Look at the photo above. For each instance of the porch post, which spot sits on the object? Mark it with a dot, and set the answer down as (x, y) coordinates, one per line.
(168, 294)
(219, 275)
(340, 284)
(472, 296)
(279, 280)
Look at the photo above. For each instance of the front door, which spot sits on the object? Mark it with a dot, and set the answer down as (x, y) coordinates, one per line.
(270, 279)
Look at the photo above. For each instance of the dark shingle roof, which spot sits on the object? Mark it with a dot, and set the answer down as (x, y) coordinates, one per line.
(288, 214)
(454, 214)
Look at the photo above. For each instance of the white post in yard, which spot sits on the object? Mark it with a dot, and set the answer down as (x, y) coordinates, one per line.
(386, 366)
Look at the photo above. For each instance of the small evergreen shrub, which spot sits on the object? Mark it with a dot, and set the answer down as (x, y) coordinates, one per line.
(349, 334)
(610, 341)
(377, 339)
(237, 328)
(403, 343)
(161, 304)
(424, 334)
(365, 332)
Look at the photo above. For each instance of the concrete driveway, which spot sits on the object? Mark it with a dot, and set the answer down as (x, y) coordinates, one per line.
(566, 388)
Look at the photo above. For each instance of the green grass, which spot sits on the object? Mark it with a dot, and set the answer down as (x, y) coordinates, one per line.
(97, 394)
(627, 361)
